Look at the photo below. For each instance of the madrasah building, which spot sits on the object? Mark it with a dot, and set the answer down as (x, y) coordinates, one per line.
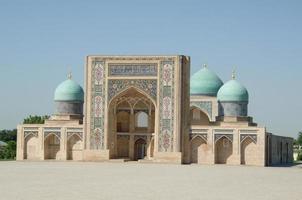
(147, 109)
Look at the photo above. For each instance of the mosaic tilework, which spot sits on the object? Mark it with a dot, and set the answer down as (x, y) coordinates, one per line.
(70, 134)
(252, 136)
(58, 134)
(137, 137)
(203, 105)
(132, 69)
(52, 130)
(202, 135)
(28, 133)
(166, 107)
(97, 105)
(118, 85)
(219, 136)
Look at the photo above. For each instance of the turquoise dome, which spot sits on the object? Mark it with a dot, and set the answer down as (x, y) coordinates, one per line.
(233, 91)
(205, 82)
(69, 90)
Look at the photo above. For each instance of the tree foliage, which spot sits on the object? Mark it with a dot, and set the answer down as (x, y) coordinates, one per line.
(8, 151)
(8, 135)
(299, 139)
(35, 119)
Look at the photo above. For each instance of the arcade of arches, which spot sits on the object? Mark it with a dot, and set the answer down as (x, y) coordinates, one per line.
(148, 108)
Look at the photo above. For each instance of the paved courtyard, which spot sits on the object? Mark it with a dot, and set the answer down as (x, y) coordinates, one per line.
(86, 180)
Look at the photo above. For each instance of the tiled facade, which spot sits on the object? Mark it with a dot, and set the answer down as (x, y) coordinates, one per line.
(139, 108)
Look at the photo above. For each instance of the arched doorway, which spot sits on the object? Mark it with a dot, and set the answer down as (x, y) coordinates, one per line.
(132, 114)
(198, 150)
(140, 149)
(248, 149)
(74, 148)
(51, 147)
(31, 147)
(223, 150)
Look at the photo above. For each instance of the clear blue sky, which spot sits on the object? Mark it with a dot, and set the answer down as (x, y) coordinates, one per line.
(42, 40)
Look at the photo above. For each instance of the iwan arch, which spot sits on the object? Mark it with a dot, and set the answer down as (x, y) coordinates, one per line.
(146, 108)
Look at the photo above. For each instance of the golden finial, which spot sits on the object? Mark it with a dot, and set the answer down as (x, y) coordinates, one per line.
(234, 73)
(204, 65)
(69, 76)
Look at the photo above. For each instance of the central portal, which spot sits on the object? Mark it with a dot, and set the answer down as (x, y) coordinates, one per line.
(137, 107)
(132, 125)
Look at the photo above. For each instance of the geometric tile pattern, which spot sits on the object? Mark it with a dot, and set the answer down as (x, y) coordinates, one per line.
(202, 135)
(79, 134)
(166, 107)
(116, 86)
(97, 105)
(253, 137)
(133, 69)
(33, 133)
(219, 136)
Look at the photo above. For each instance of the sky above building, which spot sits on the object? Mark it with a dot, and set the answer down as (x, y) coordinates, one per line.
(41, 41)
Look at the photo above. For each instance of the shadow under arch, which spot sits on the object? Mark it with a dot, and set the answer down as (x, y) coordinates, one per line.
(223, 150)
(52, 148)
(74, 147)
(140, 149)
(247, 150)
(198, 147)
(202, 111)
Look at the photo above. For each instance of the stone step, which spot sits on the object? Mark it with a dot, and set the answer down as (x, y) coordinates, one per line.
(119, 160)
(146, 161)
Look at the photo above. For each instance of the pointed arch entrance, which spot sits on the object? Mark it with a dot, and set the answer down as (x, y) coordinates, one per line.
(74, 147)
(223, 150)
(51, 146)
(31, 147)
(247, 151)
(132, 114)
(140, 149)
(198, 150)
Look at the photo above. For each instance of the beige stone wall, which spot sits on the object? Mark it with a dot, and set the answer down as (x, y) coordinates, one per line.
(232, 145)
(31, 148)
(50, 141)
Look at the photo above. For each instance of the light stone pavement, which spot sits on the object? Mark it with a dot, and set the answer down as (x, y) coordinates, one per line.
(93, 180)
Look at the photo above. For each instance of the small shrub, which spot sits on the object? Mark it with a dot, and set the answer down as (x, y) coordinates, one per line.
(299, 158)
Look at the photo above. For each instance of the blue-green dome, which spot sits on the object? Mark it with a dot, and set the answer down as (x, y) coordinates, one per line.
(205, 82)
(233, 91)
(69, 90)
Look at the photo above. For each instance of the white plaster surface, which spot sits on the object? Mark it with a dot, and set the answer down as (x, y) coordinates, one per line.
(88, 180)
